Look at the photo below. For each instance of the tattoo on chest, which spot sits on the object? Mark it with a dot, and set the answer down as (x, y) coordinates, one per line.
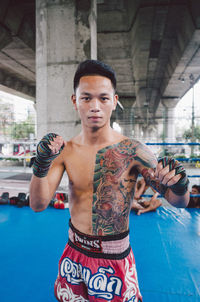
(113, 189)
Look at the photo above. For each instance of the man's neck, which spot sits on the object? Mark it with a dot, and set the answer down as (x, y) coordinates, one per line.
(97, 137)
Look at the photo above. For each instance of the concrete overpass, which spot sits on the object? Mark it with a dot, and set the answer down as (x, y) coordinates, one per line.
(154, 46)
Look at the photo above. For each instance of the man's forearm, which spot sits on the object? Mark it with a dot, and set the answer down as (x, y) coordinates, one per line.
(40, 194)
(42, 187)
(170, 180)
(179, 201)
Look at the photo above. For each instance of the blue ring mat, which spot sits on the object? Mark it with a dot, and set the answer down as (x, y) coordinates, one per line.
(166, 245)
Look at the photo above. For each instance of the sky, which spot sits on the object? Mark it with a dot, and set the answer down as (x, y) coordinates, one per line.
(183, 110)
(21, 105)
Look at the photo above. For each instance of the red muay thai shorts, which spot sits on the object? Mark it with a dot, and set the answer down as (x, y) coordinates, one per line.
(97, 268)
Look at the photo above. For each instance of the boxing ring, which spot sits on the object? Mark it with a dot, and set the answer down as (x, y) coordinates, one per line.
(166, 245)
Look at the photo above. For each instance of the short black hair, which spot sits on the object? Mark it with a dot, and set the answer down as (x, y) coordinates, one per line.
(94, 67)
(196, 187)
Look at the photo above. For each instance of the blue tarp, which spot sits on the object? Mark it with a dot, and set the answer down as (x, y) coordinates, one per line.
(166, 245)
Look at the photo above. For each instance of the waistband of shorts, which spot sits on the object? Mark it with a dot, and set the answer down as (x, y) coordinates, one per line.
(109, 246)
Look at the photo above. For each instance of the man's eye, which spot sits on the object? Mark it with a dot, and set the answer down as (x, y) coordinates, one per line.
(104, 99)
(86, 98)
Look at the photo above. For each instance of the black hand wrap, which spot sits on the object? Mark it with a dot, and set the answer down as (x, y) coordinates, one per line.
(44, 156)
(180, 188)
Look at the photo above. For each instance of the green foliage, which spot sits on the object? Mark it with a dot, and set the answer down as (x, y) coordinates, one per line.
(194, 156)
(10, 128)
(23, 129)
(180, 156)
(188, 133)
(6, 117)
(11, 159)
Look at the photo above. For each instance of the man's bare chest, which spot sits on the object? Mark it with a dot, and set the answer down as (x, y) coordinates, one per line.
(110, 165)
(80, 170)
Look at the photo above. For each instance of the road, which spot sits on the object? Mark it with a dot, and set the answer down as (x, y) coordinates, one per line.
(17, 179)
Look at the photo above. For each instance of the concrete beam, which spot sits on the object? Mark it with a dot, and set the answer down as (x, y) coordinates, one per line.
(26, 32)
(114, 49)
(18, 60)
(112, 17)
(5, 37)
(17, 67)
(179, 82)
(9, 83)
(194, 7)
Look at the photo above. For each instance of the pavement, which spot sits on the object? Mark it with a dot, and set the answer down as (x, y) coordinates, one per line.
(15, 179)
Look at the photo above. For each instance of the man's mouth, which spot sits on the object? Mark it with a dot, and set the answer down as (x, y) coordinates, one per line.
(94, 118)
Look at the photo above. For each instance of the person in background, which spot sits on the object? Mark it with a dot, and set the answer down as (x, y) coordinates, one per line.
(141, 205)
(194, 201)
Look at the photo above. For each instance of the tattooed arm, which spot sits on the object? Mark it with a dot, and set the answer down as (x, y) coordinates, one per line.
(139, 191)
(167, 176)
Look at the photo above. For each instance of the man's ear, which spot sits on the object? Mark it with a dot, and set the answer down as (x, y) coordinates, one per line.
(116, 98)
(73, 98)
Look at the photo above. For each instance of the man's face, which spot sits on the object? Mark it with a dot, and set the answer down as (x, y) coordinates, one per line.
(95, 100)
(194, 191)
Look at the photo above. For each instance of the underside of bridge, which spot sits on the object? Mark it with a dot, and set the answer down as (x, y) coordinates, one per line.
(154, 47)
(17, 47)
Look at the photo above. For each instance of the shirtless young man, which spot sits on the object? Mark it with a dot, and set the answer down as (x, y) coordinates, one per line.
(102, 165)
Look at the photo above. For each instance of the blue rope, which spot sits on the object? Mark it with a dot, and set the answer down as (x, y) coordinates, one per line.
(174, 144)
(188, 159)
(149, 195)
(193, 176)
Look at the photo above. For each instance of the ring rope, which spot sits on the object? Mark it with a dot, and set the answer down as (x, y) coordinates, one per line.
(173, 144)
(150, 195)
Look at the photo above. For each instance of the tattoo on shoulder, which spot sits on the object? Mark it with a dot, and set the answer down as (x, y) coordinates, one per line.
(145, 156)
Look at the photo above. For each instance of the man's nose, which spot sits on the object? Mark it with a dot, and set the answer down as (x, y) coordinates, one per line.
(94, 105)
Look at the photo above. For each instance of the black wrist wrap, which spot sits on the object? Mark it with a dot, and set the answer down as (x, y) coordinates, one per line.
(180, 188)
(41, 163)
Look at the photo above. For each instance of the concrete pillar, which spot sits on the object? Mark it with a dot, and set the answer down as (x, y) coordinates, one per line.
(169, 118)
(127, 120)
(141, 100)
(141, 110)
(145, 133)
(93, 29)
(63, 39)
(152, 132)
(137, 131)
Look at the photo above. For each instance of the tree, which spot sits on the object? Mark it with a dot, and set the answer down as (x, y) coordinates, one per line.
(188, 133)
(22, 130)
(6, 117)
